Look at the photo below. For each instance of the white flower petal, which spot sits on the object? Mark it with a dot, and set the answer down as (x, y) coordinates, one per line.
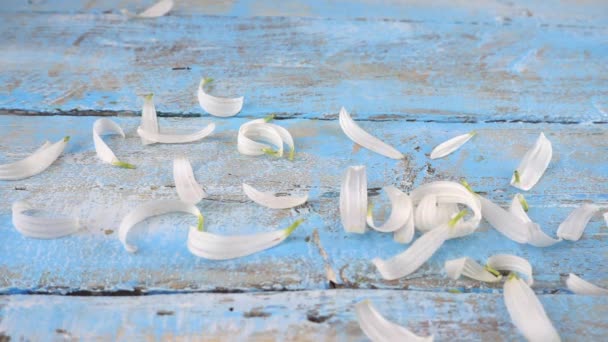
(405, 234)
(217, 247)
(353, 200)
(379, 329)
(429, 214)
(573, 227)
(35, 163)
(188, 189)
(218, 106)
(527, 312)
(450, 146)
(257, 130)
(469, 268)
(361, 137)
(157, 10)
(106, 126)
(513, 263)
(401, 210)
(269, 200)
(150, 209)
(41, 227)
(606, 218)
(533, 165)
(583, 287)
(503, 221)
(536, 236)
(150, 133)
(412, 258)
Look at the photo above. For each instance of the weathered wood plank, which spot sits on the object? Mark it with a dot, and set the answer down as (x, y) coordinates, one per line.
(305, 67)
(93, 260)
(290, 316)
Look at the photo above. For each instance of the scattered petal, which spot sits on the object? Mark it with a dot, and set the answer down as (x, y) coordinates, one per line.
(35, 163)
(361, 137)
(513, 263)
(606, 218)
(583, 287)
(505, 222)
(188, 189)
(218, 106)
(159, 9)
(269, 200)
(527, 313)
(106, 126)
(412, 258)
(451, 145)
(272, 138)
(405, 234)
(41, 227)
(217, 247)
(536, 236)
(401, 210)
(379, 329)
(573, 227)
(150, 209)
(471, 269)
(353, 200)
(533, 165)
(150, 133)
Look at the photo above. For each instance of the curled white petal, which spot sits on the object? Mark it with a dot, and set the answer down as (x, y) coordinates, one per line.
(157, 10)
(361, 137)
(149, 130)
(41, 227)
(258, 137)
(533, 165)
(218, 106)
(429, 214)
(469, 268)
(573, 227)
(503, 221)
(451, 194)
(451, 145)
(513, 263)
(188, 189)
(536, 236)
(35, 163)
(150, 209)
(412, 258)
(401, 210)
(217, 247)
(405, 234)
(269, 200)
(106, 126)
(379, 329)
(583, 287)
(353, 200)
(527, 312)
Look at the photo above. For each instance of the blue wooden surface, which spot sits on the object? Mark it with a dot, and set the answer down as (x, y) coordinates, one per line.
(414, 73)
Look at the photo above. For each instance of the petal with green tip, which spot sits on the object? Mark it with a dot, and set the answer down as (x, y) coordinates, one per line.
(533, 165)
(106, 126)
(35, 163)
(218, 106)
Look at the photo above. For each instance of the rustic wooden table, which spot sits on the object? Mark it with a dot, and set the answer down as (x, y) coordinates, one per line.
(413, 72)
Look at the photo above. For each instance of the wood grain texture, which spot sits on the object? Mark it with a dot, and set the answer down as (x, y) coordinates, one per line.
(292, 316)
(100, 195)
(306, 67)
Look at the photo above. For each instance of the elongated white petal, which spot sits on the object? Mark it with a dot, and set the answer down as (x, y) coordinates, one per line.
(35, 163)
(513, 263)
(533, 165)
(451, 145)
(269, 200)
(218, 106)
(41, 227)
(401, 209)
(536, 236)
(217, 247)
(430, 214)
(258, 137)
(450, 194)
(188, 189)
(150, 133)
(527, 312)
(503, 221)
(361, 137)
(405, 234)
(157, 10)
(469, 268)
(106, 126)
(583, 287)
(412, 258)
(379, 329)
(606, 218)
(573, 227)
(353, 200)
(150, 209)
